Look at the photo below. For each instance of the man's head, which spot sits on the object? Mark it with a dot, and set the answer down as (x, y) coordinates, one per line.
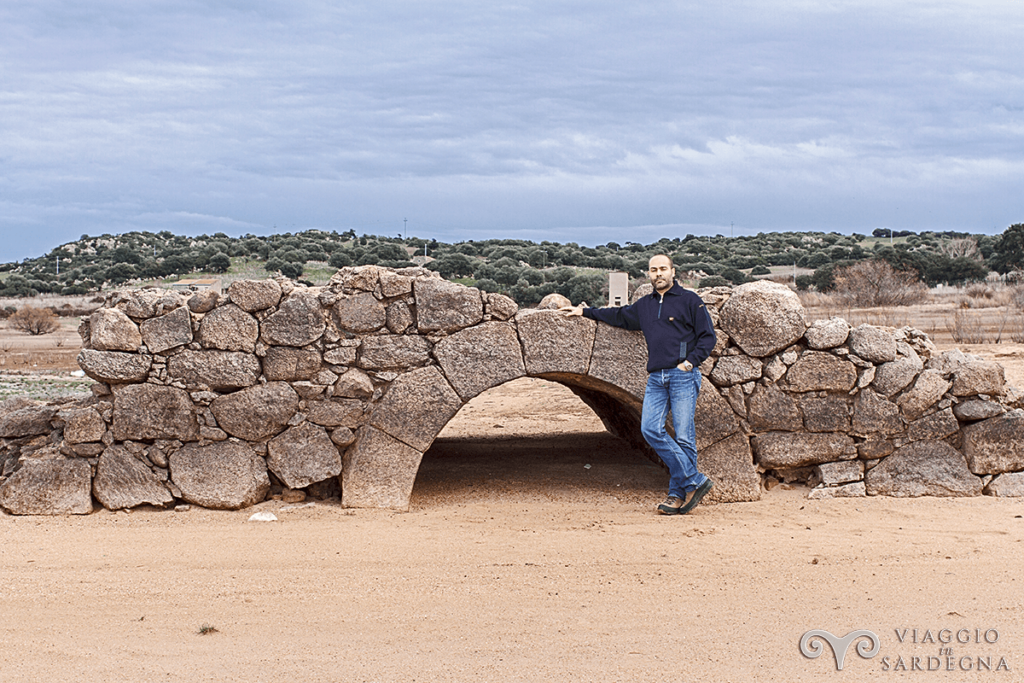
(661, 272)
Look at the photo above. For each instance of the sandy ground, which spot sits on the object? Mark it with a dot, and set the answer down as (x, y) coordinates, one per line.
(530, 556)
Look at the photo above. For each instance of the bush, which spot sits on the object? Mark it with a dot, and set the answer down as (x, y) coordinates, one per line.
(869, 284)
(760, 270)
(291, 270)
(219, 262)
(340, 259)
(35, 321)
(713, 281)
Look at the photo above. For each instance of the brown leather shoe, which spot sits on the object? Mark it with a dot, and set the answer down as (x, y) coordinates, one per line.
(693, 499)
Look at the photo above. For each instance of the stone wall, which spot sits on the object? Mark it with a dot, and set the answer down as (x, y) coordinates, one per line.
(339, 390)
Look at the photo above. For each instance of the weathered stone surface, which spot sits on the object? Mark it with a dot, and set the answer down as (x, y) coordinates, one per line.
(620, 358)
(399, 317)
(553, 301)
(763, 317)
(49, 487)
(896, 375)
(335, 413)
(731, 467)
(229, 328)
(820, 371)
(203, 301)
(926, 392)
(713, 418)
(978, 377)
(731, 370)
(114, 367)
(769, 409)
(827, 334)
(379, 353)
(298, 321)
(224, 475)
(447, 306)
(835, 473)
(123, 481)
(416, 407)
(84, 425)
(149, 302)
(935, 427)
(254, 295)
(853, 490)
(303, 455)
(1009, 485)
(257, 412)
(150, 411)
(500, 307)
(27, 422)
(476, 359)
(169, 330)
(923, 468)
(359, 313)
(392, 284)
(342, 355)
(554, 342)
(216, 370)
(9, 405)
(353, 384)
(379, 471)
(795, 449)
(112, 330)
(872, 344)
(828, 414)
(874, 414)
(950, 361)
(290, 364)
(874, 449)
(971, 411)
(995, 445)
(343, 437)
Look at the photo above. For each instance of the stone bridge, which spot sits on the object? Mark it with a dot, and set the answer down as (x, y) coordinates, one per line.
(347, 385)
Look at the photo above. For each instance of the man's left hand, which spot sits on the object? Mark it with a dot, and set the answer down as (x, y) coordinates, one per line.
(685, 366)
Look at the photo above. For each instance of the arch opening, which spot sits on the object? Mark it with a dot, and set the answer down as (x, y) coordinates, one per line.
(538, 439)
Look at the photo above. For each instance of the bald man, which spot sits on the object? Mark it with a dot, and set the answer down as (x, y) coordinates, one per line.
(679, 336)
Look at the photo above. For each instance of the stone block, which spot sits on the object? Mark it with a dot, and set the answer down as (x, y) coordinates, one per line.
(974, 410)
(926, 392)
(481, 357)
(354, 383)
(258, 412)
(359, 313)
(122, 481)
(216, 370)
(872, 344)
(853, 490)
(399, 317)
(827, 334)
(996, 445)
(713, 418)
(820, 371)
(554, 342)
(416, 407)
(730, 370)
(896, 375)
(1009, 485)
(446, 306)
(150, 411)
(923, 468)
(978, 377)
(303, 455)
(298, 321)
(169, 330)
(114, 367)
(620, 358)
(730, 465)
(289, 364)
(775, 450)
(392, 284)
(84, 425)
(112, 330)
(500, 307)
(835, 473)
(763, 317)
(769, 409)
(830, 413)
(936, 426)
(255, 295)
(387, 351)
(224, 475)
(874, 414)
(229, 328)
(31, 421)
(336, 412)
(48, 487)
(379, 471)
(874, 449)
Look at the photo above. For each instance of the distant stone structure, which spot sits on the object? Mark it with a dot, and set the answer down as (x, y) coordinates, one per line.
(339, 390)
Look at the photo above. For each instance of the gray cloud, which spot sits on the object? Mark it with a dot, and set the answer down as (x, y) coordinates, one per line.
(511, 119)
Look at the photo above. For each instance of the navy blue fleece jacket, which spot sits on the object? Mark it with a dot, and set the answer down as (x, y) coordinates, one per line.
(676, 326)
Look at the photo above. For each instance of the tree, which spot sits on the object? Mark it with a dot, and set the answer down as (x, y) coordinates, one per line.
(35, 321)
(868, 284)
(291, 270)
(219, 262)
(1010, 250)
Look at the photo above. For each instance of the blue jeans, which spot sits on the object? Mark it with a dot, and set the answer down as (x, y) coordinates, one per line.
(674, 390)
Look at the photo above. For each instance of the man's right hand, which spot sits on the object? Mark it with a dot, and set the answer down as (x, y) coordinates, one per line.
(572, 310)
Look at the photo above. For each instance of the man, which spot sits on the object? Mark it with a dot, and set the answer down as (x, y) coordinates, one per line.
(679, 336)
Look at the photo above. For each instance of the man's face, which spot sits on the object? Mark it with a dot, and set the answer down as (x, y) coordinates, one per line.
(661, 272)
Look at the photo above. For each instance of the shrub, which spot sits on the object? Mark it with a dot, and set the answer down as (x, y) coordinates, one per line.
(760, 270)
(35, 321)
(713, 281)
(868, 284)
(219, 262)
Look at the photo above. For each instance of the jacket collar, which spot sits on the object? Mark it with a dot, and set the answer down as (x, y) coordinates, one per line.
(676, 288)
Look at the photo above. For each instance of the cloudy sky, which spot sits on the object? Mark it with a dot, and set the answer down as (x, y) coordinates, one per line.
(565, 120)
